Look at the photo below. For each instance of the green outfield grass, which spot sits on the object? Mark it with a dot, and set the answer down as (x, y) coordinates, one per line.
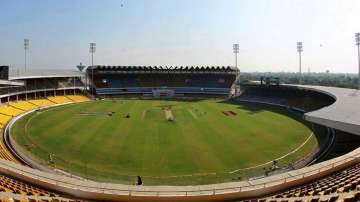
(199, 140)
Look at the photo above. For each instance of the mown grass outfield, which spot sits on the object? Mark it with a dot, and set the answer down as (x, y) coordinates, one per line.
(199, 142)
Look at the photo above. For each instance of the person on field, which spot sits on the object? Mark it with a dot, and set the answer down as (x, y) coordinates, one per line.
(138, 181)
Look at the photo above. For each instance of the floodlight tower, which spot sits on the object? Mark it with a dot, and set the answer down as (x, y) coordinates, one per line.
(26, 48)
(92, 51)
(237, 79)
(357, 39)
(299, 46)
(236, 51)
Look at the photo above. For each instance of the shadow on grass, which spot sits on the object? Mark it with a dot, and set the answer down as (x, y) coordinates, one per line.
(254, 108)
(248, 107)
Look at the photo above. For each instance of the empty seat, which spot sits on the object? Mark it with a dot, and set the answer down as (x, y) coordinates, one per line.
(60, 99)
(41, 102)
(77, 98)
(23, 105)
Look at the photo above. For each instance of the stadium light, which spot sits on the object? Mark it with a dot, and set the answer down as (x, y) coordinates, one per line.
(92, 51)
(299, 47)
(26, 48)
(236, 51)
(357, 40)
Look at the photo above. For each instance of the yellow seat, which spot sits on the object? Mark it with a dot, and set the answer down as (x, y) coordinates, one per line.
(4, 119)
(60, 99)
(23, 105)
(9, 110)
(41, 102)
(78, 98)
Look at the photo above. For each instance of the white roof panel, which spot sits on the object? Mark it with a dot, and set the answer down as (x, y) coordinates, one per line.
(17, 74)
(343, 114)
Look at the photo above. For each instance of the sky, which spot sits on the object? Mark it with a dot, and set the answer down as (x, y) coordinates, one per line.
(182, 32)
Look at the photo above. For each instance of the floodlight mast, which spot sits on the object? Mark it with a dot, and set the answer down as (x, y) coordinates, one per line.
(299, 47)
(92, 51)
(26, 48)
(357, 40)
(237, 79)
(236, 51)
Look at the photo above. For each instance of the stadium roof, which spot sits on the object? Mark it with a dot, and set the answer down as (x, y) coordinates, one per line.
(343, 115)
(163, 68)
(11, 83)
(17, 74)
